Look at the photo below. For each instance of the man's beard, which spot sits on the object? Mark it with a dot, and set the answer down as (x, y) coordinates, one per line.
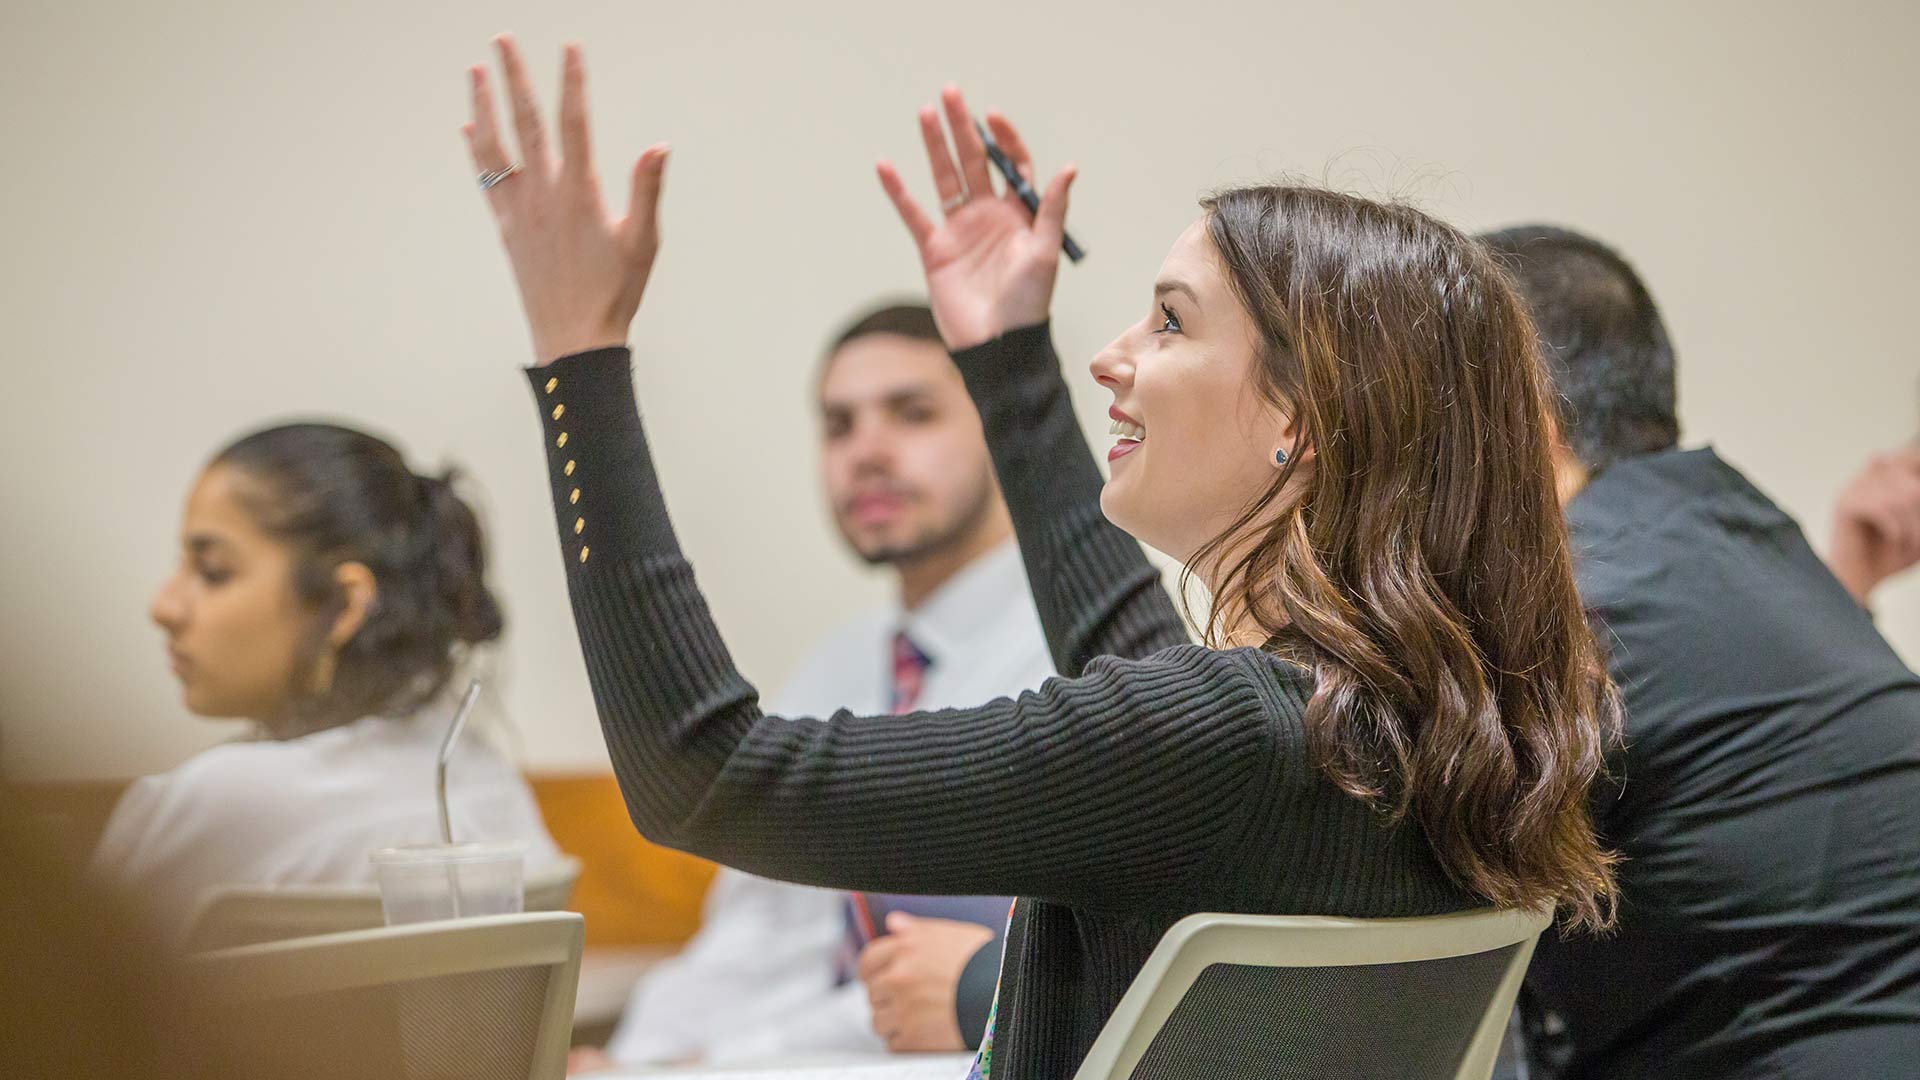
(934, 540)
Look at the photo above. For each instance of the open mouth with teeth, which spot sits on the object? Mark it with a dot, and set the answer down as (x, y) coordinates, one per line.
(1131, 436)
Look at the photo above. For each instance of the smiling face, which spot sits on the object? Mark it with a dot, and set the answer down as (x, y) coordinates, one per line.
(1196, 438)
(903, 459)
(233, 622)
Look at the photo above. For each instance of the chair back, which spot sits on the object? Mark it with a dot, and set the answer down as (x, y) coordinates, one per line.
(1280, 997)
(230, 915)
(485, 998)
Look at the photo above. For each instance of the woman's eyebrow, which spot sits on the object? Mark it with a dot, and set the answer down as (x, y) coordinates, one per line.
(1173, 285)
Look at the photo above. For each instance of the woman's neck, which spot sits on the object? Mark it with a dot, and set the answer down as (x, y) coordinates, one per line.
(1233, 623)
(1239, 629)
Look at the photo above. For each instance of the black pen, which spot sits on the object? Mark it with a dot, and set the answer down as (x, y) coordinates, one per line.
(1021, 188)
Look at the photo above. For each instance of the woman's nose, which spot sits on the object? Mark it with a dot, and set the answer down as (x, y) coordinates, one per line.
(167, 610)
(1112, 366)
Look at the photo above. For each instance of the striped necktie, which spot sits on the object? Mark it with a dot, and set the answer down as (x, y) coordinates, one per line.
(909, 674)
(909, 679)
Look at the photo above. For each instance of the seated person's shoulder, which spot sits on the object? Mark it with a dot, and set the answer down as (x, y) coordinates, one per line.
(245, 794)
(1248, 666)
(1226, 686)
(258, 782)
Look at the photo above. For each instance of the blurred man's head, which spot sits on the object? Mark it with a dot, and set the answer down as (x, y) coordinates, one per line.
(903, 460)
(1605, 346)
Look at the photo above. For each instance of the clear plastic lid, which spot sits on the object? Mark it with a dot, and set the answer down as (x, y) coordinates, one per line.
(438, 854)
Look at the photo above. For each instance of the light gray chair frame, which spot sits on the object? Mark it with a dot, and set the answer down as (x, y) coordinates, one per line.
(360, 959)
(230, 915)
(1198, 942)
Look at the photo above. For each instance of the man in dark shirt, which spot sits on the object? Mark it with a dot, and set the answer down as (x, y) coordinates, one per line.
(1767, 801)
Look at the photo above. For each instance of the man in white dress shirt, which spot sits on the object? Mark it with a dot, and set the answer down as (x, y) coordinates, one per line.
(773, 973)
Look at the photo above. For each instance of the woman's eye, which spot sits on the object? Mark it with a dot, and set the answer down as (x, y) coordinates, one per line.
(1169, 323)
(215, 575)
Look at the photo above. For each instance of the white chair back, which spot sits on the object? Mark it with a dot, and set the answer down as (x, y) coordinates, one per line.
(230, 915)
(487, 998)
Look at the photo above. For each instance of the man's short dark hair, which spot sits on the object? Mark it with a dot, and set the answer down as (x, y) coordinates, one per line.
(907, 320)
(1606, 348)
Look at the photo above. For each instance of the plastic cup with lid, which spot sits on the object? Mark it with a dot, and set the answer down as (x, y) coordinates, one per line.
(426, 882)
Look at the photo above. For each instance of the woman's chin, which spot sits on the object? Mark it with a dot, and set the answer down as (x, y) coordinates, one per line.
(1118, 507)
(1113, 505)
(208, 706)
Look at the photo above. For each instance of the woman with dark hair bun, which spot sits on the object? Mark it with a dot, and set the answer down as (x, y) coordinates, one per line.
(328, 594)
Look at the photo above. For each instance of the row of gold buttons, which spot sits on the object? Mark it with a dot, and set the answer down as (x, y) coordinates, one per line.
(560, 443)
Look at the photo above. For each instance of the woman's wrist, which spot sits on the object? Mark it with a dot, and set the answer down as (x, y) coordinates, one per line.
(550, 347)
(1015, 346)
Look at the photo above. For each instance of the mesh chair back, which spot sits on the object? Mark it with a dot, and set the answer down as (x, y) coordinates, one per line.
(474, 1026)
(475, 999)
(231, 915)
(1274, 997)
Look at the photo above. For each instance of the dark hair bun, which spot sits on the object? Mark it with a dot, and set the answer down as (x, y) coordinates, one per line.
(459, 561)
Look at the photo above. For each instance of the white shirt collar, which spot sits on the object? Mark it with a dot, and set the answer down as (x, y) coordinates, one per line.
(963, 611)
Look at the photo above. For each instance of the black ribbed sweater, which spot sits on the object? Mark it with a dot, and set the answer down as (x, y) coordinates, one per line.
(1152, 780)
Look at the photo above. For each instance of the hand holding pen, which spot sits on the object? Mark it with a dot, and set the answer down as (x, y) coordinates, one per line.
(1017, 183)
(991, 263)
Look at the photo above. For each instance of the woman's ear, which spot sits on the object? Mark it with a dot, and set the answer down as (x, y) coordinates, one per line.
(358, 591)
(1287, 442)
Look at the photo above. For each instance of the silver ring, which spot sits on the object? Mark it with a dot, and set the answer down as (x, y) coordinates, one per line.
(489, 179)
(956, 202)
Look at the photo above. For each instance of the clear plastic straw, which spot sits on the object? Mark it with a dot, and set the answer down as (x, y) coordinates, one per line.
(440, 781)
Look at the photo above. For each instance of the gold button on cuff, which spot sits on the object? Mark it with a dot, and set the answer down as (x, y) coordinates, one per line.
(551, 383)
(573, 496)
(569, 469)
(558, 411)
(578, 524)
(583, 553)
(561, 441)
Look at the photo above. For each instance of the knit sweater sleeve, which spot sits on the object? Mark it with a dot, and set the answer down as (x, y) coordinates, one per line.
(1096, 594)
(1109, 787)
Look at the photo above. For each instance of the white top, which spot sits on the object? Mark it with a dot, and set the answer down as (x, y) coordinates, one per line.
(756, 983)
(308, 811)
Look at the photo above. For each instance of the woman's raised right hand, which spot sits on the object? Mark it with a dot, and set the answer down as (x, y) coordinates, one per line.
(990, 265)
(581, 273)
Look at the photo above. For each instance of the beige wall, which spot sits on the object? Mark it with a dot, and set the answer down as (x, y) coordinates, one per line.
(222, 213)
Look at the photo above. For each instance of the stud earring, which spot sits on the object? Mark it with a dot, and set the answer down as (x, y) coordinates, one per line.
(1279, 458)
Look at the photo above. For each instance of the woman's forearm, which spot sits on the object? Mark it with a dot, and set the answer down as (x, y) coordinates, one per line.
(1096, 593)
(606, 494)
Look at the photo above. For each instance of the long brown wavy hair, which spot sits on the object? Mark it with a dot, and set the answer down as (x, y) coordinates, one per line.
(1419, 565)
